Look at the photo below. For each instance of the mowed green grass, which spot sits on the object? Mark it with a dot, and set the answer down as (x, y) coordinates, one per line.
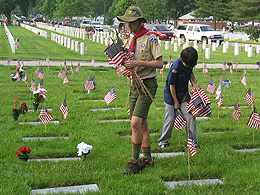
(218, 138)
(36, 47)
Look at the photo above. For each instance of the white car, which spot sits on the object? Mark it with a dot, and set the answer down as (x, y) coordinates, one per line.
(199, 32)
(97, 25)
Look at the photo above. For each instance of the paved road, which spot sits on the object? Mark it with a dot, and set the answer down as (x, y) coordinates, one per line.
(104, 64)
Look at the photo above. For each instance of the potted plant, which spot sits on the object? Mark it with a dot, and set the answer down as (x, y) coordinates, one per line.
(39, 95)
(21, 110)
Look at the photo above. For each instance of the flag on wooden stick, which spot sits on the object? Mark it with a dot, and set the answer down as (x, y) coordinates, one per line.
(254, 120)
(236, 112)
(89, 85)
(179, 121)
(191, 144)
(211, 87)
(33, 86)
(110, 96)
(64, 108)
(250, 97)
(78, 67)
(61, 74)
(66, 79)
(45, 116)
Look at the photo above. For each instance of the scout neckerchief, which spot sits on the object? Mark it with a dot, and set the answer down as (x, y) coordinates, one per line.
(139, 34)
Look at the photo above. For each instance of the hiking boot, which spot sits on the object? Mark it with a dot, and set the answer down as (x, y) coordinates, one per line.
(144, 162)
(132, 167)
(164, 145)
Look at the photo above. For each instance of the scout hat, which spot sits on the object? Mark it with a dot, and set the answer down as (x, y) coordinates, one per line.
(132, 13)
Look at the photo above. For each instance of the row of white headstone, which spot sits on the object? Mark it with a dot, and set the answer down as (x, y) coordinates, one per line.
(35, 30)
(66, 42)
(10, 38)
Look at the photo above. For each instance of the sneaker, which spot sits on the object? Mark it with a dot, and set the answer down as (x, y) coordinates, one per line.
(144, 162)
(132, 167)
(164, 145)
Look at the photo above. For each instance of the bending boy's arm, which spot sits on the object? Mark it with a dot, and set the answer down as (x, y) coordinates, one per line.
(173, 93)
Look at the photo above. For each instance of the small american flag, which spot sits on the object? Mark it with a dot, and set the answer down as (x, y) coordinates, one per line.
(254, 120)
(89, 85)
(211, 87)
(47, 60)
(224, 66)
(61, 74)
(40, 85)
(191, 144)
(65, 65)
(236, 112)
(26, 79)
(218, 92)
(128, 110)
(250, 96)
(220, 76)
(118, 70)
(205, 70)
(179, 121)
(64, 108)
(45, 116)
(18, 63)
(245, 71)
(8, 60)
(243, 81)
(78, 67)
(110, 96)
(33, 86)
(93, 60)
(40, 73)
(71, 69)
(66, 79)
(161, 71)
(233, 61)
(220, 102)
(236, 65)
(170, 60)
(115, 56)
(231, 70)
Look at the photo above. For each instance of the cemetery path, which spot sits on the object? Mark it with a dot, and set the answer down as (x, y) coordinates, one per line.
(104, 64)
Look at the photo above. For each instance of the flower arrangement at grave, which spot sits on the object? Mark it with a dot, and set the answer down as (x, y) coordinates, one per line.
(23, 153)
(226, 83)
(20, 110)
(39, 95)
(84, 150)
(19, 75)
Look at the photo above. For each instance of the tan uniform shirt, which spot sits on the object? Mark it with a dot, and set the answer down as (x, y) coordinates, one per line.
(147, 49)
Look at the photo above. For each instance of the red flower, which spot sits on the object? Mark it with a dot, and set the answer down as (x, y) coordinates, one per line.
(15, 109)
(29, 150)
(18, 154)
(23, 104)
(22, 150)
(15, 100)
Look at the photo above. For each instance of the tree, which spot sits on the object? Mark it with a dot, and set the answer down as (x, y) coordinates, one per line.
(7, 6)
(215, 8)
(70, 8)
(178, 8)
(48, 8)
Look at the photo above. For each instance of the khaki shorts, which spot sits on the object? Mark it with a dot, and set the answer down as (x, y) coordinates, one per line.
(140, 104)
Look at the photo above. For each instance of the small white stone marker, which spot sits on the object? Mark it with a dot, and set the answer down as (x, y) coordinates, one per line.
(49, 109)
(248, 150)
(173, 184)
(103, 109)
(53, 159)
(42, 138)
(38, 123)
(120, 120)
(202, 118)
(165, 155)
(69, 189)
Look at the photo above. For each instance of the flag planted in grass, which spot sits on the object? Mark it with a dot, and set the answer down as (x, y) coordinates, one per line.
(220, 102)
(40, 85)
(243, 81)
(66, 79)
(179, 121)
(78, 67)
(71, 69)
(33, 86)
(224, 66)
(254, 120)
(64, 108)
(89, 85)
(211, 87)
(191, 144)
(205, 69)
(45, 116)
(250, 96)
(47, 60)
(61, 74)
(218, 92)
(110, 96)
(236, 112)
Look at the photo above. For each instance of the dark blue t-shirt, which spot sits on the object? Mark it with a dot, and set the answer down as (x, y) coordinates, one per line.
(178, 75)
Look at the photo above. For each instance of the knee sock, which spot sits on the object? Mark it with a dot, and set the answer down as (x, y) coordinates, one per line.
(147, 152)
(136, 150)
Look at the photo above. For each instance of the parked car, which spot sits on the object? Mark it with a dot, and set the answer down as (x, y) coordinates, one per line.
(85, 23)
(199, 32)
(97, 25)
(160, 30)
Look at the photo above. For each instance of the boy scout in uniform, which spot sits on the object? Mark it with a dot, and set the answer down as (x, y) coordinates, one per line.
(146, 59)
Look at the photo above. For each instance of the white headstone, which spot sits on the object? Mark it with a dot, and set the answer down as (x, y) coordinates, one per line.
(83, 35)
(195, 43)
(106, 41)
(72, 44)
(82, 48)
(102, 39)
(179, 42)
(227, 44)
(258, 49)
(172, 41)
(250, 51)
(76, 46)
(225, 48)
(68, 43)
(51, 36)
(93, 37)
(197, 48)
(166, 45)
(187, 42)
(207, 53)
(217, 43)
(80, 35)
(61, 40)
(204, 45)
(209, 41)
(77, 34)
(65, 41)
(246, 47)
(175, 47)
(214, 46)
(236, 51)
(97, 39)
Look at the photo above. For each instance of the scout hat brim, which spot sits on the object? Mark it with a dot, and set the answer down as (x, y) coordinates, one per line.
(132, 14)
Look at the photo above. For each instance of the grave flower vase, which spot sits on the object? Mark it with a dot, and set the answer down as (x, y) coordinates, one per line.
(35, 106)
(16, 115)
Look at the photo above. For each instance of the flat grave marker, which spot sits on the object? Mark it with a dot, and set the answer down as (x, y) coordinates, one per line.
(104, 109)
(53, 159)
(42, 138)
(114, 121)
(165, 155)
(173, 184)
(248, 150)
(38, 123)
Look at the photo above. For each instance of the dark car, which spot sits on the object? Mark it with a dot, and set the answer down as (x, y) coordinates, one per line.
(160, 30)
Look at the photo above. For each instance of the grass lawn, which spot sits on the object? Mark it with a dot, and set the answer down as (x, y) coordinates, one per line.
(35, 47)
(218, 138)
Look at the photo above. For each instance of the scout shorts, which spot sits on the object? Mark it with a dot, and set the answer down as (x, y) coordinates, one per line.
(140, 104)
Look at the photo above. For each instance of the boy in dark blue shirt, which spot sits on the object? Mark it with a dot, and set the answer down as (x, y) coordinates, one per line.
(176, 95)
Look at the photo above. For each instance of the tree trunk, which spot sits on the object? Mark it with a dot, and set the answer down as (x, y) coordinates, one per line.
(8, 15)
(215, 23)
